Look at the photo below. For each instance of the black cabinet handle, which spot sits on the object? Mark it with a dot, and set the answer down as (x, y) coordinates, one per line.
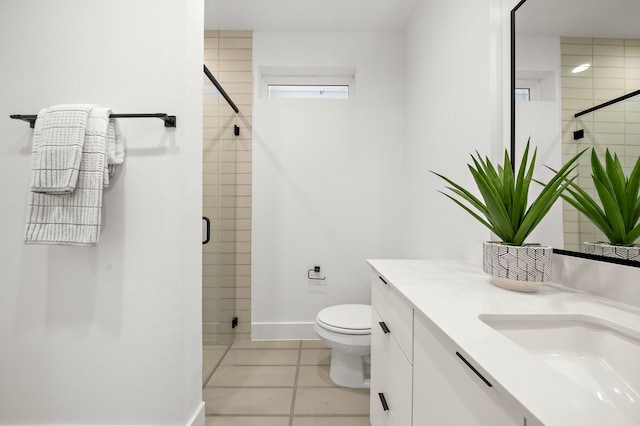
(208, 230)
(382, 279)
(383, 400)
(384, 327)
(474, 370)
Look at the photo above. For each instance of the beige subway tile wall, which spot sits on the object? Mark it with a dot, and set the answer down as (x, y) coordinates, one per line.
(614, 72)
(227, 188)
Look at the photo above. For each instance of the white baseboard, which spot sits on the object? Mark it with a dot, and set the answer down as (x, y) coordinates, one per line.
(283, 331)
(197, 419)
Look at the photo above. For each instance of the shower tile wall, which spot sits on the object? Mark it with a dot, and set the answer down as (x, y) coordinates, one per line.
(615, 71)
(227, 189)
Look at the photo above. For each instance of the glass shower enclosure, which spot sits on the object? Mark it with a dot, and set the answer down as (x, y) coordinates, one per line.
(227, 192)
(219, 236)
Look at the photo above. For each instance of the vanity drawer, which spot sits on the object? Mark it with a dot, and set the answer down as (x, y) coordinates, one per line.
(391, 380)
(450, 388)
(396, 315)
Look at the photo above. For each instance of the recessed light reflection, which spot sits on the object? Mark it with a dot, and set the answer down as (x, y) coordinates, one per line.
(581, 68)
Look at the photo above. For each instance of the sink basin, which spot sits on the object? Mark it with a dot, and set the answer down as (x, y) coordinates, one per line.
(599, 356)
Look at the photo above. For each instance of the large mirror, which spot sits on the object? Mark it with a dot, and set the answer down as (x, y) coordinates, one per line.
(569, 57)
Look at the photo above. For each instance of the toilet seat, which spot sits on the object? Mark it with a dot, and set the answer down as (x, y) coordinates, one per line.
(346, 319)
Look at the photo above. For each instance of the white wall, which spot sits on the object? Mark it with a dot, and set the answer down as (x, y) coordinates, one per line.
(329, 177)
(457, 95)
(110, 334)
(541, 120)
(452, 110)
(327, 186)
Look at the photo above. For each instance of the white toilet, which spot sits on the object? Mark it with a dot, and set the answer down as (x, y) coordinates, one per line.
(346, 329)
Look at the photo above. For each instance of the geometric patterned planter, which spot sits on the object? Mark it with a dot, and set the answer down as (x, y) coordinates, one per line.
(619, 252)
(519, 268)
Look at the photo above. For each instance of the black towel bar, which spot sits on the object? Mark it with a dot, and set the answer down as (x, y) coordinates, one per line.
(169, 120)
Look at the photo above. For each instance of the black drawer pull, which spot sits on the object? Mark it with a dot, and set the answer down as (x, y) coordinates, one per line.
(474, 370)
(384, 327)
(382, 279)
(383, 400)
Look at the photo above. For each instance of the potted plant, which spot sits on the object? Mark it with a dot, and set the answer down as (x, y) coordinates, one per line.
(618, 214)
(504, 209)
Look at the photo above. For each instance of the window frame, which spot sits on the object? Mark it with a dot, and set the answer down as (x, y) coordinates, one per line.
(306, 77)
(312, 88)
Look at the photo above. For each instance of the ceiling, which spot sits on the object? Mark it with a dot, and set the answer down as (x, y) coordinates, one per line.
(580, 18)
(308, 15)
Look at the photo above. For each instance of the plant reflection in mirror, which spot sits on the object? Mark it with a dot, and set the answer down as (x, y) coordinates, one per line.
(618, 214)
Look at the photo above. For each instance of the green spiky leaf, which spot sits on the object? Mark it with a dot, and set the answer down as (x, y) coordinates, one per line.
(503, 203)
(617, 214)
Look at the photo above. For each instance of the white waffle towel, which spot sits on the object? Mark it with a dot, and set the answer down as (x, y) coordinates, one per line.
(115, 150)
(59, 138)
(75, 218)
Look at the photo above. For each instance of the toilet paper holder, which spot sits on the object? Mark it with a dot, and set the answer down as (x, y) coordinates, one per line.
(316, 270)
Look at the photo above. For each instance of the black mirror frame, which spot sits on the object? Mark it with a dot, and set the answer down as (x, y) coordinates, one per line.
(513, 146)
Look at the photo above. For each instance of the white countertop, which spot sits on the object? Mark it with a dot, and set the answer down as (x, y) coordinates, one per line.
(454, 294)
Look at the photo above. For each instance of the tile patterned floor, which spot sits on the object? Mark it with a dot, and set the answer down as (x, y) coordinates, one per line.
(280, 383)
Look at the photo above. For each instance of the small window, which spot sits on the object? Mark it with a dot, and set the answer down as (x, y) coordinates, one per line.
(308, 91)
(307, 83)
(523, 94)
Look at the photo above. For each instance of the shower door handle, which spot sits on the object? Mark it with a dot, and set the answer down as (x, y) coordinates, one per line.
(207, 237)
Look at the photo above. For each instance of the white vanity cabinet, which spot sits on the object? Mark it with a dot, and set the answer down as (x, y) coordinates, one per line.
(391, 357)
(447, 391)
(445, 361)
(421, 374)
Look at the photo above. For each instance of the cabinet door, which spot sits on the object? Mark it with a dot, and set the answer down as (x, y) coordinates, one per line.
(446, 391)
(391, 376)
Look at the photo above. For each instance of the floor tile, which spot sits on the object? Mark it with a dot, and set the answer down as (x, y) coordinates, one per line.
(251, 375)
(246, 421)
(211, 357)
(314, 375)
(261, 357)
(266, 344)
(254, 385)
(335, 401)
(258, 401)
(313, 344)
(315, 357)
(331, 421)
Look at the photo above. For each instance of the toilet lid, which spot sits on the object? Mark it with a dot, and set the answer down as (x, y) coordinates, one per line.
(347, 319)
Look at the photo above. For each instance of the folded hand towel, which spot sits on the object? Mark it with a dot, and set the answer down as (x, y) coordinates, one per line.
(74, 219)
(115, 150)
(58, 138)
